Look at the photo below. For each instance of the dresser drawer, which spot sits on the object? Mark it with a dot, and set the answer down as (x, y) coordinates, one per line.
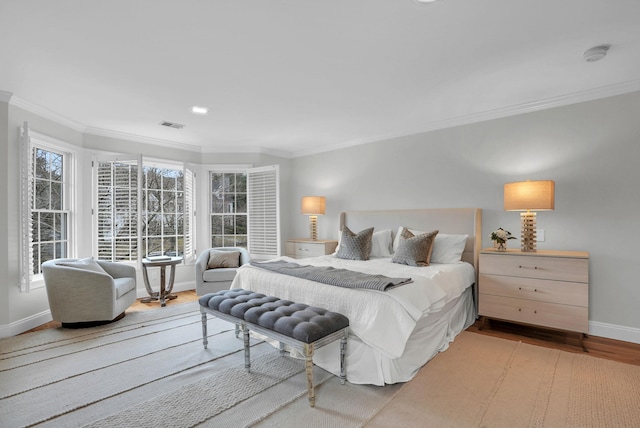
(554, 268)
(302, 249)
(565, 317)
(566, 293)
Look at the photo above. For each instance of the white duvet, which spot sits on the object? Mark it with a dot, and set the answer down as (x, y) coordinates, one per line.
(382, 320)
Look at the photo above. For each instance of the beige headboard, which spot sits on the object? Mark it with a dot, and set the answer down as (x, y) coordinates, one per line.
(456, 221)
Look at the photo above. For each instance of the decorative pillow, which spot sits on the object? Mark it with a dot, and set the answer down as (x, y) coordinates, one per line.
(86, 264)
(381, 243)
(414, 250)
(223, 259)
(355, 246)
(448, 248)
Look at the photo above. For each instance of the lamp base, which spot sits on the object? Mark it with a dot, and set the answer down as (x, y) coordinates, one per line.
(528, 232)
(313, 227)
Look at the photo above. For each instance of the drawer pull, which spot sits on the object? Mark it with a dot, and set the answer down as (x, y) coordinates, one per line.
(535, 290)
(526, 267)
(303, 249)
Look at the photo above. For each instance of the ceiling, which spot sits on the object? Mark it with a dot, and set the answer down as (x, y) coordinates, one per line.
(294, 77)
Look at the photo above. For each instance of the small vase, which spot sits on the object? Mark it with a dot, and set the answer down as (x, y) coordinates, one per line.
(500, 246)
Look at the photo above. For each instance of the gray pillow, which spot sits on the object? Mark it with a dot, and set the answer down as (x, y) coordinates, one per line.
(414, 250)
(223, 259)
(355, 246)
(86, 264)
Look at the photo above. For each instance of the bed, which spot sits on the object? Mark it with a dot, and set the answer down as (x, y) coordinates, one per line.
(394, 332)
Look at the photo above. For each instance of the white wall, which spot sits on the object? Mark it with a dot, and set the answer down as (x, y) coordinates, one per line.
(590, 149)
(22, 311)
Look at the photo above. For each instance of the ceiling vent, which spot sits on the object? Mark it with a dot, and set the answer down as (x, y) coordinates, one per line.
(171, 124)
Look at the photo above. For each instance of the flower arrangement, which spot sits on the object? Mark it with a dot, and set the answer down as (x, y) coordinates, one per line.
(501, 236)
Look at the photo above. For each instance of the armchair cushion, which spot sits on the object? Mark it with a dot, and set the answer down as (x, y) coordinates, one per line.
(223, 259)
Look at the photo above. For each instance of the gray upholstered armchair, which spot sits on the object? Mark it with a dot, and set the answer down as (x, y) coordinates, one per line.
(210, 279)
(85, 292)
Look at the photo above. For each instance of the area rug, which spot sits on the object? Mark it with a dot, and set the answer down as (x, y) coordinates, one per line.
(483, 381)
(150, 369)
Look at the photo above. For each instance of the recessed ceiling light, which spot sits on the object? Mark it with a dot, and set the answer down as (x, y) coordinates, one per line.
(423, 2)
(199, 110)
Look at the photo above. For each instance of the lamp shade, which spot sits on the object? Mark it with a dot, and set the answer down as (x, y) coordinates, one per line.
(312, 205)
(529, 195)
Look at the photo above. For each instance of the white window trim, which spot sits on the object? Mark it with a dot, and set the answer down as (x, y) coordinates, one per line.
(29, 281)
(142, 162)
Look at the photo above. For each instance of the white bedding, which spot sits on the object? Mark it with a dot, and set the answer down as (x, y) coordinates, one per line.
(382, 320)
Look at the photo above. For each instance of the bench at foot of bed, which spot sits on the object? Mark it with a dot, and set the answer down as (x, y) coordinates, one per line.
(300, 326)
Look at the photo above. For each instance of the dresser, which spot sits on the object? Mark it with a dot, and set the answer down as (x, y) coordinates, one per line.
(302, 248)
(543, 288)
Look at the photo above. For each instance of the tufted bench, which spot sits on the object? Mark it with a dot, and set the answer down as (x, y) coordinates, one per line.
(302, 327)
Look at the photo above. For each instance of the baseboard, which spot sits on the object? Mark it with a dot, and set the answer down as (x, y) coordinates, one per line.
(613, 331)
(25, 324)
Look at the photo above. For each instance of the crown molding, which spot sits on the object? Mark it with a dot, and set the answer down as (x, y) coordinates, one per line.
(249, 149)
(5, 96)
(141, 139)
(528, 107)
(48, 114)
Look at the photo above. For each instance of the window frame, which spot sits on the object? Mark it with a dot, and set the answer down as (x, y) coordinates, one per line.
(143, 162)
(69, 154)
(248, 170)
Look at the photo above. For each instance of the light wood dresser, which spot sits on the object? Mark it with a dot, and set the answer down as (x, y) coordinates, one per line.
(543, 288)
(301, 248)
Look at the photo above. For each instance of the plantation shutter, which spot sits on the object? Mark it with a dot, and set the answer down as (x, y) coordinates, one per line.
(26, 195)
(189, 213)
(263, 212)
(118, 204)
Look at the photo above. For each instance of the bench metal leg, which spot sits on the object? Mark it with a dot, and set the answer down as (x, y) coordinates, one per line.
(343, 353)
(247, 355)
(308, 357)
(204, 330)
(282, 351)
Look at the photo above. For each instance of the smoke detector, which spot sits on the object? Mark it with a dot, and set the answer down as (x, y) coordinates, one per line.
(596, 53)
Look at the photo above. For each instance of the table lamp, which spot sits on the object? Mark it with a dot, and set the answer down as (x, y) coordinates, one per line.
(313, 206)
(527, 196)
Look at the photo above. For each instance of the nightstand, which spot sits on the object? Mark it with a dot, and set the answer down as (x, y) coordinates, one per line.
(301, 248)
(542, 288)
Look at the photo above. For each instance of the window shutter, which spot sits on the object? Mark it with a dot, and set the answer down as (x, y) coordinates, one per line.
(26, 194)
(263, 212)
(117, 209)
(189, 213)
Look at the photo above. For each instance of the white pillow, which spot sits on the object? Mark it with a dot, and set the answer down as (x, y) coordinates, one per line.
(446, 248)
(381, 244)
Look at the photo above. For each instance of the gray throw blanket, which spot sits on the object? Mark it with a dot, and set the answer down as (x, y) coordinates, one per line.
(332, 276)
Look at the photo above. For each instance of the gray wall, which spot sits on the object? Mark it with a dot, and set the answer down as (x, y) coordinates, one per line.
(590, 149)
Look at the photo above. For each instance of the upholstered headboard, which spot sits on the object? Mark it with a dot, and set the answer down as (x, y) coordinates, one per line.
(456, 221)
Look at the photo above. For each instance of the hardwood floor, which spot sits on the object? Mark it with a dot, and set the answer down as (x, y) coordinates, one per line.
(601, 347)
(616, 350)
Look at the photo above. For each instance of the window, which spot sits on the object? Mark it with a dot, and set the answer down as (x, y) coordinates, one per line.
(46, 167)
(117, 210)
(144, 212)
(244, 210)
(162, 211)
(229, 209)
(49, 213)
